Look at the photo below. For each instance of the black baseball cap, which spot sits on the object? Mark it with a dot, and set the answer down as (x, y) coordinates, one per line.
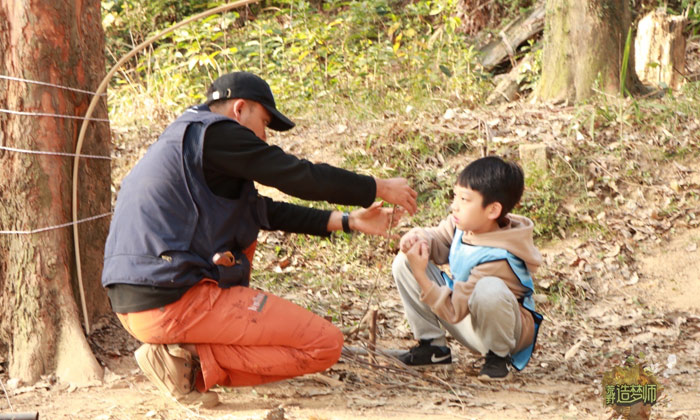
(245, 85)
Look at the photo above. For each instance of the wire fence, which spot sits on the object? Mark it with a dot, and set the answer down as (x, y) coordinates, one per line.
(44, 229)
(36, 82)
(40, 152)
(50, 153)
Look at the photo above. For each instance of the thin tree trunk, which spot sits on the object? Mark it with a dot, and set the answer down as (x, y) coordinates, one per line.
(584, 48)
(59, 42)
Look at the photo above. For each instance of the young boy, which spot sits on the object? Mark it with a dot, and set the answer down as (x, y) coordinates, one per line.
(487, 304)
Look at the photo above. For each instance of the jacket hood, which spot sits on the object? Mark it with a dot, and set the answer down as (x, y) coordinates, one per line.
(516, 238)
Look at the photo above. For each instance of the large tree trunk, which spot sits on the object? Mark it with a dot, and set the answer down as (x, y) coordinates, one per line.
(584, 47)
(59, 42)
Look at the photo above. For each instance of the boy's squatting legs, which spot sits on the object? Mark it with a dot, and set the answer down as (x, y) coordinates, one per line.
(493, 324)
(423, 322)
(495, 315)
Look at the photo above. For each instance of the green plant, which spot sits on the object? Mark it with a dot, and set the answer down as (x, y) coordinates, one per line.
(530, 72)
(693, 8)
(625, 63)
(362, 56)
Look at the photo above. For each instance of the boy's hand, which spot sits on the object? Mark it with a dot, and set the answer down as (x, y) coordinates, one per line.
(418, 256)
(375, 220)
(409, 239)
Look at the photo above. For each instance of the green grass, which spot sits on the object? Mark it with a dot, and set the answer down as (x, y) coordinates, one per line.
(359, 57)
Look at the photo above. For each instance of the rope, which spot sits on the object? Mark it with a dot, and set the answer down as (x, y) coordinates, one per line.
(17, 79)
(83, 129)
(39, 152)
(44, 229)
(44, 114)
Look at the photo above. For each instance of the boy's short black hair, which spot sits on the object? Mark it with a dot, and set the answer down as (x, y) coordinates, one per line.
(496, 180)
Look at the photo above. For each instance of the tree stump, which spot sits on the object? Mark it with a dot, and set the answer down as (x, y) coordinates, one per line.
(660, 49)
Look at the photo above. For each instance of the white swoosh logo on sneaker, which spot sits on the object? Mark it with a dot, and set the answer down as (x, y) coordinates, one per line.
(438, 359)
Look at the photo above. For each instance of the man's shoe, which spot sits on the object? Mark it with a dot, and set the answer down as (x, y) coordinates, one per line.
(172, 368)
(426, 354)
(495, 368)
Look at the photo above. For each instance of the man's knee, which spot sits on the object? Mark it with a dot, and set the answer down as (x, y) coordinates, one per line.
(333, 346)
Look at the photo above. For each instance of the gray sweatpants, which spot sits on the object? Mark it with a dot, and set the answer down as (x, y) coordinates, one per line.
(493, 322)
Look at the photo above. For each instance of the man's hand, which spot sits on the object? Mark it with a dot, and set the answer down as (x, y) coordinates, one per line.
(375, 220)
(397, 191)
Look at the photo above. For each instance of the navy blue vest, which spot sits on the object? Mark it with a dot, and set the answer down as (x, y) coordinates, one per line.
(168, 224)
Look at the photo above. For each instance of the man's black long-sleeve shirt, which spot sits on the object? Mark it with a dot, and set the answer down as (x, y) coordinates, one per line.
(233, 154)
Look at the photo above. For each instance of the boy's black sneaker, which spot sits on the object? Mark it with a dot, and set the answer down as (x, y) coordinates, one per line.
(495, 368)
(426, 354)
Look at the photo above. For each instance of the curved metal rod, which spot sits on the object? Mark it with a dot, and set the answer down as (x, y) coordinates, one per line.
(83, 129)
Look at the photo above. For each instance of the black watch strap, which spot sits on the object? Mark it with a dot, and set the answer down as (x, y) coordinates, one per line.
(346, 222)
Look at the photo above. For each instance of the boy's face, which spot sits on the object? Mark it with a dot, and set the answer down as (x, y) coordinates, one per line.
(469, 213)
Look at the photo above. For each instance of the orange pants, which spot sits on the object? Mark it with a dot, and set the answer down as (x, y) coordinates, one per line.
(243, 336)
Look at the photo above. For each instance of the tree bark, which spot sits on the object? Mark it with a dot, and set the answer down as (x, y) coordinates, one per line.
(59, 42)
(584, 44)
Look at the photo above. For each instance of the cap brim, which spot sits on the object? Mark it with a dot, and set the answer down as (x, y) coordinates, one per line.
(278, 122)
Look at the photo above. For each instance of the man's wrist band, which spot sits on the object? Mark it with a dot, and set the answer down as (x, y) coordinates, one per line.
(346, 222)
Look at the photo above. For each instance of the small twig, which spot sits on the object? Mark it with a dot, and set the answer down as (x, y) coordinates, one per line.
(357, 328)
(375, 368)
(396, 364)
(372, 335)
(351, 354)
(391, 221)
(487, 138)
(7, 396)
(509, 48)
(359, 361)
(454, 392)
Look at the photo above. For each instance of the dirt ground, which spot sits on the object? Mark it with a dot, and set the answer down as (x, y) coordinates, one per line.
(556, 385)
(352, 390)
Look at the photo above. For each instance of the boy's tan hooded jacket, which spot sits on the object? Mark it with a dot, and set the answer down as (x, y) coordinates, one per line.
(516, 237)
